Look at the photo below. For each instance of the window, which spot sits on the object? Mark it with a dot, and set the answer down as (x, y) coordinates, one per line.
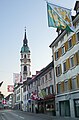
(56, 55)
(78, 37)
(56, 44)
(24, 56)
(46, 91)
(72, 62)
(59, 87)
(51, 89)
(58, 70)
(42, 80)
(25, 68)
(21, 55)
(50, 75)
(45, 77)
(64, 67)
(74, 84)
(68, 33)
(66, 85)
(24, 89)
(63, 49)
(69, 43)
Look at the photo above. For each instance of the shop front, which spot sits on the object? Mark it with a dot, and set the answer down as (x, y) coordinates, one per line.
(47, 105)
(76, 103)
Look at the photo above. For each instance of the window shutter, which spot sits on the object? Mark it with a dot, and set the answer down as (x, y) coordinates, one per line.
(59, 52)
(78, 56)
(74, 39)
(70, 84)
(62, 86)
(56, 70)
(77, 78)
(68, 64)
(60, 69)
(66, 46)
(56, 88)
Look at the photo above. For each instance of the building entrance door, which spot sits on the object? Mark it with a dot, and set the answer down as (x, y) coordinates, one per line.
(64, 108)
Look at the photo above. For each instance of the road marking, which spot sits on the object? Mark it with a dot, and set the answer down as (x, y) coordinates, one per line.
(17, 115)
(21, 117)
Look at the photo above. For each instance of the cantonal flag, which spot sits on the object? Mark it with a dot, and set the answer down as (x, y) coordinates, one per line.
(59, 17)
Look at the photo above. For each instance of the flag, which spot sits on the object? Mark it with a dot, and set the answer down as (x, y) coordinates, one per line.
(10, 88)
(1, 83)
(16, 78)
(59, 17)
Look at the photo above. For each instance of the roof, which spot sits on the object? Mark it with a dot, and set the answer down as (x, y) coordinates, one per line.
(7, 98)
(25, 49)
(42, 71)
(76, 5)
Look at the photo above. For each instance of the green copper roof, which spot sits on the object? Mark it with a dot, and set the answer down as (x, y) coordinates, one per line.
(25, 49)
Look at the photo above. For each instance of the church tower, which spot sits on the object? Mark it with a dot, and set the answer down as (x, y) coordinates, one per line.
(25, 60)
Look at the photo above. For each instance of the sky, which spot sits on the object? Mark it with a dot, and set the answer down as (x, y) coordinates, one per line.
(14, 16)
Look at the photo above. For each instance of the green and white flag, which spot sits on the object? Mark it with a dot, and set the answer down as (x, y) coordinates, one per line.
(59, 17)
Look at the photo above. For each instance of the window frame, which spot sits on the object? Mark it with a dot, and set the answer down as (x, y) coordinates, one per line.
(74, 84)
(77, 37)
(66, 85)
(63, 49)
(72, 65)
(64, 63)
(56, 55)
(70, 45)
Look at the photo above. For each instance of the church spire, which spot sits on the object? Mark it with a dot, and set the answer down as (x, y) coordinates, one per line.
(25, 39)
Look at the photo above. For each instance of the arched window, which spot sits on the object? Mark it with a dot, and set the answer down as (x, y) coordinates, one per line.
(24, 56)
(25, 68)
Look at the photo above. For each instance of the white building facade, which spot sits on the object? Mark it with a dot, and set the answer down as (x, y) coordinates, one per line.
(65, 50)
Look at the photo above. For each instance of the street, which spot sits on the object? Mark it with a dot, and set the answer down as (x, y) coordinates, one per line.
(20, 115)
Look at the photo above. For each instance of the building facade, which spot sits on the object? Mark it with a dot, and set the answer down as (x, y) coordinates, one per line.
(41, 94)
(46, 92)
(65, 50)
